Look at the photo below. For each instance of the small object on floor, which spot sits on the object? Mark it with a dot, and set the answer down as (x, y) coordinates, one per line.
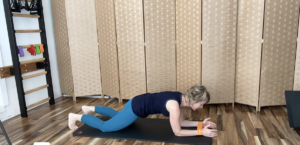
(21, 52)
(144, 129)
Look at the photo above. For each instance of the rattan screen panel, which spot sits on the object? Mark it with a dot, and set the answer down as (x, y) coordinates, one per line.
(279, 50)
(62, 46)
(105, 13)
(219, 49)
(159, 18)
(297, 69)
(131, 52)
(188, 40)
(132, 69)
(81, 21)
(249, 45)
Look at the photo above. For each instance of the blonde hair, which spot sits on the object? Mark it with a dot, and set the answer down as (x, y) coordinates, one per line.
(197, 94)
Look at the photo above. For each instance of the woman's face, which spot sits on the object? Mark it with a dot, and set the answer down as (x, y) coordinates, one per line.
(198, 105)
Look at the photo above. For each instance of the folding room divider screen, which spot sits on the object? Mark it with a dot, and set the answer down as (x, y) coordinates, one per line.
(279, 50)
(105, 14)
(243, 51)
(130, 42)
(297, 71)
(188, 43)
(77, 47)
(249, 49)
(219, 48)
(62, 46)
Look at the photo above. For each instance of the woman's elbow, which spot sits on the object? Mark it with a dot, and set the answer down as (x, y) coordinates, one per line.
(177, 133)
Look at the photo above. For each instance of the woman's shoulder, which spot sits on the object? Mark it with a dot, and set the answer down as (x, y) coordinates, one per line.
(172, 105)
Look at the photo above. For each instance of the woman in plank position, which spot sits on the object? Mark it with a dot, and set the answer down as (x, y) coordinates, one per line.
(168, 103)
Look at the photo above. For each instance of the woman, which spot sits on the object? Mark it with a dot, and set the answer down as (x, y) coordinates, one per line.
(168, 103)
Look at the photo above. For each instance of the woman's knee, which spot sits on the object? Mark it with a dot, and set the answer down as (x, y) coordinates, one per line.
(104, 130)
(108, 129)
(111, 126)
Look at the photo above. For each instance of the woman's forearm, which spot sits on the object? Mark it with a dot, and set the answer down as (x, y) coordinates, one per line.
(188, 123)
(185, 132)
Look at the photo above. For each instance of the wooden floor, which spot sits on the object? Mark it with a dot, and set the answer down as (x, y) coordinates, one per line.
(239, 125)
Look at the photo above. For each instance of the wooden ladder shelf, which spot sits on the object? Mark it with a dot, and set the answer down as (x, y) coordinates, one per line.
(34, 75)
(25, 15)
(21, 67)
(25, 46)
(36, 89)
(28, 31)
(37, 103)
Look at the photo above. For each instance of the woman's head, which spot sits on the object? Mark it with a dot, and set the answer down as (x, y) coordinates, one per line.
(197, 96)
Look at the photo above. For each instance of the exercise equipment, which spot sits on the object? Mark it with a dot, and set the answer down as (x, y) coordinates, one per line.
(42, 48)
(31, 50)
(144, 129)
(18, 5)
(21, 52)
(37, 48)
(293, 107)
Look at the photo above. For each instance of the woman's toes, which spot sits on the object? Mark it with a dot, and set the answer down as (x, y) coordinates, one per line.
(72, 121)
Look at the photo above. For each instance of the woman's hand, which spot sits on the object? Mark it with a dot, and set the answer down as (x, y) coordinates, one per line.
(209, 124)
(209, 132)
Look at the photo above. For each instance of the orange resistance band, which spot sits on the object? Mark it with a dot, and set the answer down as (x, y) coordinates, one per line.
(199, 128)
(41, 48)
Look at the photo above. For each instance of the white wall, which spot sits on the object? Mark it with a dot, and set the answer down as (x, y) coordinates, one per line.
(3, 90)
(8, 85)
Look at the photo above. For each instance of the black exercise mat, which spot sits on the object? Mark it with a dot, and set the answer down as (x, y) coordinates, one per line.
(144, 129)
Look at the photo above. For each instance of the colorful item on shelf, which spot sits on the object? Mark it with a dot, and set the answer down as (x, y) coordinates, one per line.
(37, 48)
(42, 48)
(21, 52)
(31, 50)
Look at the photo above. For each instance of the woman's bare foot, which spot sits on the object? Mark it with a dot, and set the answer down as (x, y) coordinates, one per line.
(72, 121)
(86, 109)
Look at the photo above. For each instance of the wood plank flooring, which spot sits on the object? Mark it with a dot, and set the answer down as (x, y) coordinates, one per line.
(240, 125)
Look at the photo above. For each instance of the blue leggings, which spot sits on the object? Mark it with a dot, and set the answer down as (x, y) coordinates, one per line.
(118, 120)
